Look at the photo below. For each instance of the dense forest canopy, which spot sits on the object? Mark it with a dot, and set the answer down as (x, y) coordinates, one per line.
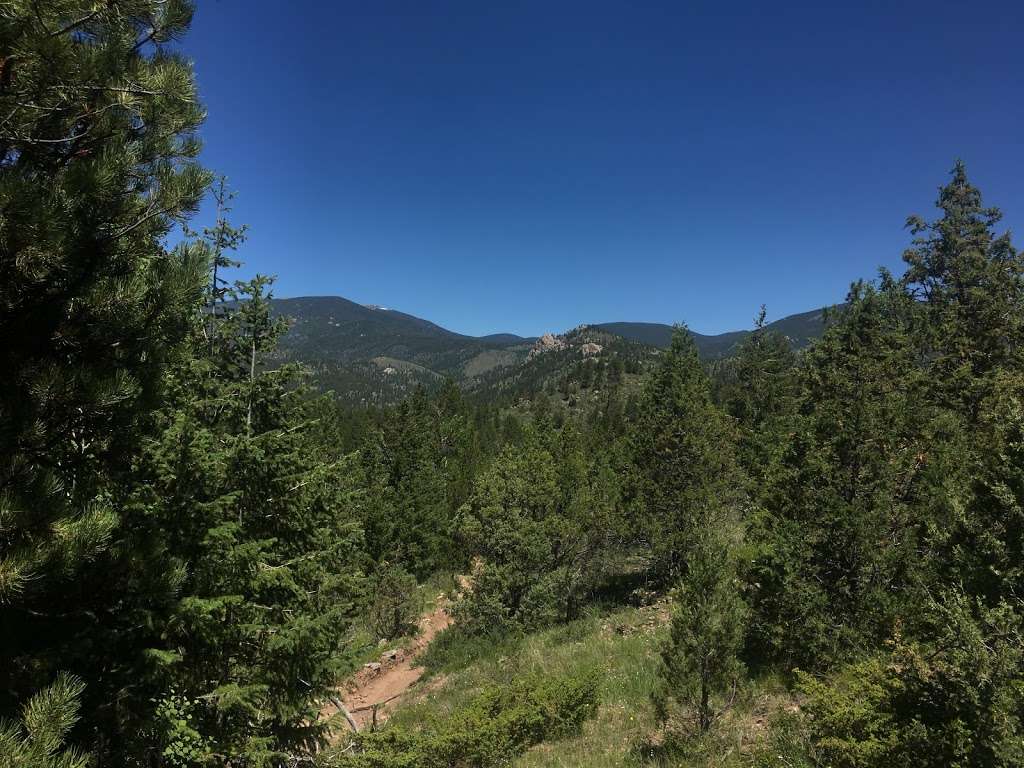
(196, 540)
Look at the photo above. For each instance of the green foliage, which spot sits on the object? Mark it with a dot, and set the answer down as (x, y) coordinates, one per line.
(685, 475)
(97, 164)
(535, 525)
(953, 698)
(183, 745)
(394, 607)
(261, 523)
(980, 542)
(761, 395)
(839, 542)
(970, 282)
(418, 465)
(787, 744)
(456, 648)
(37, 741)
(700, 662)
(499, 724)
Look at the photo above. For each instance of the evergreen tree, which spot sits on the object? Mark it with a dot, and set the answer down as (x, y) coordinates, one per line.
(951, 695)
(38, 740)
(763, 399)
(978, 535)
(261, 527)
(700, 662)
(535, 525)
(220, 239)
(97, 151)
(839, 546)
(684, 469)
(971, 283)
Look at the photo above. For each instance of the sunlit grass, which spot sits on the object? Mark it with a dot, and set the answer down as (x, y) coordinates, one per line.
(622, 648)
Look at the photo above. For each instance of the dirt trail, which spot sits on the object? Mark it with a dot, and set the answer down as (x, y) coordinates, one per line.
(383, 683)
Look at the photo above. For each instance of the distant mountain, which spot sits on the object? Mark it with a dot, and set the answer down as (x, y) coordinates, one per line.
(330, 327)
(375, 355)
(800, 329)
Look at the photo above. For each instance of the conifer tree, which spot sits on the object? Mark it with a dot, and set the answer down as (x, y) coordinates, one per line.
(261, 526)
(37, 741)
(763, 399)
(97, 162)
(700, 662)
(536, 523)
(840, 542)
(970, 282)
(683, 452)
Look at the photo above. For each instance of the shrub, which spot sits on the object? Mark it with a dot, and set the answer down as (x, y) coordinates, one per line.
(395, 609)
(953, 700)
(499, 724)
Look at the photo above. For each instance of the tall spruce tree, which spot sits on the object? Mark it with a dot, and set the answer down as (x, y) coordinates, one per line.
(969, 283)
(260, 523)
(763, 399)
(685, 475)
(97, 146)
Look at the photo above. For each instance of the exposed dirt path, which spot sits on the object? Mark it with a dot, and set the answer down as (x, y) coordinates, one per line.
(380, 685)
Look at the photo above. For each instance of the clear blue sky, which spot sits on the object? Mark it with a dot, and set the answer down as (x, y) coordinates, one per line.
(529, 166)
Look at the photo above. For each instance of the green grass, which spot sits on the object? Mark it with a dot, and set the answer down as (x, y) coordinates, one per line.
(622, 648)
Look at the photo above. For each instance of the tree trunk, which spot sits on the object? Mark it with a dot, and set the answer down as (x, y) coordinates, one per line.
(252, 384)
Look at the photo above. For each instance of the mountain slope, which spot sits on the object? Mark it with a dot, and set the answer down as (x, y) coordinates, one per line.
(373, 355)
(330, 328)
(800, 329)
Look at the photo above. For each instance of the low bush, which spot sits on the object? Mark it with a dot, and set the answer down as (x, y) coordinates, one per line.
(500, 723)
(395, 607)
(954, 700)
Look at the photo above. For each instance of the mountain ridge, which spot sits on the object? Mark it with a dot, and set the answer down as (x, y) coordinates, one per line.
(355, 349)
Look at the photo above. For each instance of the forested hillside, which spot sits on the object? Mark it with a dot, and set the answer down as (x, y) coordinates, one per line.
(368, 355)
(801, 553)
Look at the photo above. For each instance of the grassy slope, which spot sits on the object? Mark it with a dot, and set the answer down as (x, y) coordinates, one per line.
(622, 648)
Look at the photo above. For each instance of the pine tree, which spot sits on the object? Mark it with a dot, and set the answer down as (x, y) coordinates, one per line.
(971, 283)
(261, 525)
(38, 740)
(762, 399)
(97, 149)
(700, 662)
(684, 471)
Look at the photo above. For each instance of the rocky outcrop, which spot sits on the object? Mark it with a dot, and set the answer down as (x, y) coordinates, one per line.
(547, 343)
(590, 349)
